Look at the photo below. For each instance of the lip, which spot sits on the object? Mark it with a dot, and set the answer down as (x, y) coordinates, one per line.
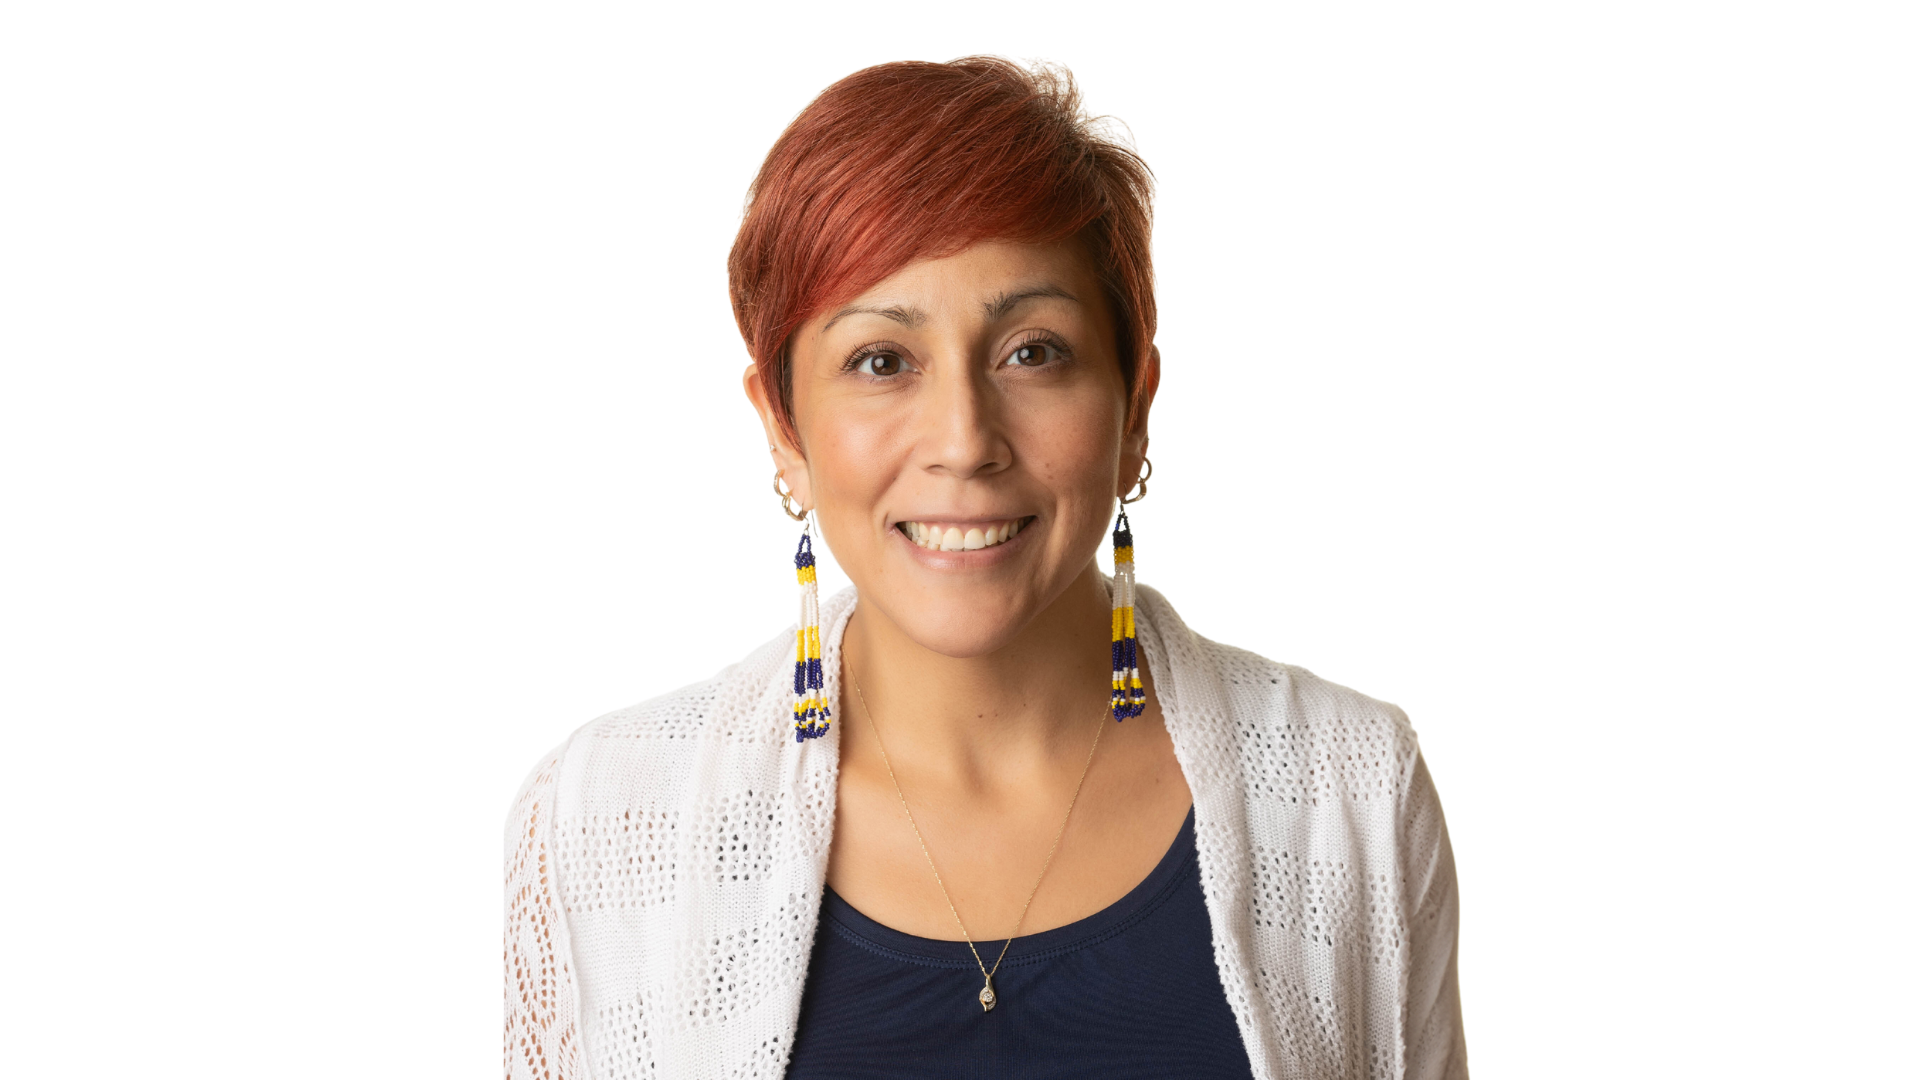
(968, 560)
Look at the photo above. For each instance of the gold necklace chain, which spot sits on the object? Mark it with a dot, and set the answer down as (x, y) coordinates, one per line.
(987, 997)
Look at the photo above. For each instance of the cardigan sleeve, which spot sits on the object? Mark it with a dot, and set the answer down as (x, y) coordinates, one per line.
(542, 1039)
(1435, 1047)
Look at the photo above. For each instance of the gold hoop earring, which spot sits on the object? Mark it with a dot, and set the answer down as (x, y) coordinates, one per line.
(1131, 498)
(786, 501)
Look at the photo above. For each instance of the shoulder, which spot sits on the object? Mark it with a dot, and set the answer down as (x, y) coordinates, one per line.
(733, 729)
(724, 705)
(1317, 736)
(1314, 740)
(1294, 733)
(651, 752)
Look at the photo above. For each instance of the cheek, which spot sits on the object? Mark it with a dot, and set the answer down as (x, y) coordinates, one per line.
(853, 456)
(1073, 450)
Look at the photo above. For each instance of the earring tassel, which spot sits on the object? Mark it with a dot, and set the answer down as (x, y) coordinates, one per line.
(811, 718)
(1129, 695)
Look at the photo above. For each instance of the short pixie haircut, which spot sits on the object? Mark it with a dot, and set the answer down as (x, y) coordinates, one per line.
(910, 161)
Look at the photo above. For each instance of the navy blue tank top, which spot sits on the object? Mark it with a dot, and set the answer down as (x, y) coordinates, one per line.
(1131, 991)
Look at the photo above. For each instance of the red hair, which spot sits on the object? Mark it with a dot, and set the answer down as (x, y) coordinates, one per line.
(907, 161)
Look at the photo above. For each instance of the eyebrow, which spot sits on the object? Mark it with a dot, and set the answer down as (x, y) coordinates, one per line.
(997, 308)
(905, 316)
(1000, 306)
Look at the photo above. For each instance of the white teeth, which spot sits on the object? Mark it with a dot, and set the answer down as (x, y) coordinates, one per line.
(953, 538)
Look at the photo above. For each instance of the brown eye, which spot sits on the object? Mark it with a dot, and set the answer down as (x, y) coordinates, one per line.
(880, 363)
(1034, 354)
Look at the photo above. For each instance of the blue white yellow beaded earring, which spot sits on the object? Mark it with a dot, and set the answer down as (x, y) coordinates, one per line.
(811, 717)
(1129, 695)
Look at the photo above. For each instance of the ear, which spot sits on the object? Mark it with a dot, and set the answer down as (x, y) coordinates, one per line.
(788, 462)
(1133, 446)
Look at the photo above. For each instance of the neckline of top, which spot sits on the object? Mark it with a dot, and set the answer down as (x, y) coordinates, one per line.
(1139, 902)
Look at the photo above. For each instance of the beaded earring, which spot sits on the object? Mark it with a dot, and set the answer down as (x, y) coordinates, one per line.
(1129, 696)
(811, 717)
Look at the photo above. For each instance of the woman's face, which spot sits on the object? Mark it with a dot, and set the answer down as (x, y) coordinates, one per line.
(963, 436)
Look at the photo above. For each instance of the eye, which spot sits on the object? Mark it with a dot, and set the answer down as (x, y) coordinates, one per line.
(1034, 354)
(879, 363)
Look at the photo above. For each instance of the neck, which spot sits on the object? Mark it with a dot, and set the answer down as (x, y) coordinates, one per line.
(1037, 696)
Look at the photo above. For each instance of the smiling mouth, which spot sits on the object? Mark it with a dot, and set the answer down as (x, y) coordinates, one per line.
(939, 536)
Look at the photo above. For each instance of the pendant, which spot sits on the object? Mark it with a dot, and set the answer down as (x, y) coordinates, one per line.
(986, 997)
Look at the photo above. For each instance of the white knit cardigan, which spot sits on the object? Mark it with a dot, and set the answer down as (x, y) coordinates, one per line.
(665, 867)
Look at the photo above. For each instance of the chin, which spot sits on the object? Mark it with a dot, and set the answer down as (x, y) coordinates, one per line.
(963, 631)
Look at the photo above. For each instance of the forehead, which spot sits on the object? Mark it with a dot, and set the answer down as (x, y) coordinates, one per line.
(984, 283)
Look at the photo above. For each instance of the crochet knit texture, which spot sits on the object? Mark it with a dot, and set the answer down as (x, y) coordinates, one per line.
(665, 868)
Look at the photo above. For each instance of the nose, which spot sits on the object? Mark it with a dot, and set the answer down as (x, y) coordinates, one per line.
(964, 431)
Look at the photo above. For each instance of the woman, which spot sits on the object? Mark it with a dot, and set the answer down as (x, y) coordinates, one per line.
(994, 814)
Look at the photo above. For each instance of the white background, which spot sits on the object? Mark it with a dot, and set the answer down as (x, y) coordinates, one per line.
(370, 420)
